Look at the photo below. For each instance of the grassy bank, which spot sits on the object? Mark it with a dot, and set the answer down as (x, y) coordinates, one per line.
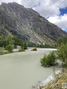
(59, 82)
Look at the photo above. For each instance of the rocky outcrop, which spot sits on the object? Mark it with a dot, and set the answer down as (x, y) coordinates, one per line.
(27, 24)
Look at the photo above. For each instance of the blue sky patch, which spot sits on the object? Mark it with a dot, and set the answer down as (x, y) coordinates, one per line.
(63, 11)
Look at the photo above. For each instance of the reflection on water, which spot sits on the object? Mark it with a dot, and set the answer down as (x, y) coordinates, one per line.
(23, 70)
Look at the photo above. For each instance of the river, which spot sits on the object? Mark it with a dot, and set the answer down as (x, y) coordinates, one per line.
(22, 70)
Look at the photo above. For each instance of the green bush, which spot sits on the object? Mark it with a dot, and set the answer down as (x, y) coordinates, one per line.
(1, 51)
(9, 48)
(20, 50)
(48, 60)
(33, 49)
(62, 40)
(25, 45)
(62, 53)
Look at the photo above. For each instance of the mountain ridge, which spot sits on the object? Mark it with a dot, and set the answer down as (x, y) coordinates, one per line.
(27, 24)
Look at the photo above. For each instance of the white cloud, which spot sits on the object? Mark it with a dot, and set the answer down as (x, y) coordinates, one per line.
(46, 7)
(7, 1)
(63, 4)
(60, 21)
(29, 3)
(18, 1)
(47, 10)
(51, 9)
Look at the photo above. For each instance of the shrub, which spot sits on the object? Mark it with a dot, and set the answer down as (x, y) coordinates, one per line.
(48, 60)
(6, 52)
(25, 45)
(9, 48)
(1, 51)
(62, 40)
(62, 53)
(33, 49)
(20, 50)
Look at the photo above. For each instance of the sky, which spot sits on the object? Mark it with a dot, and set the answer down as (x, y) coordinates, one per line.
(55, 11)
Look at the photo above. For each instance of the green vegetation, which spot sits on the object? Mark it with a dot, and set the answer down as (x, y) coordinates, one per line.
(48, 60)
(31, 44)
(6, 51)
(62, 50)
(62, 40)
(6, 40)
(34, 49)
(20, 49)
(61, 54)
(57, 82)
(44, 46)
(25, 45)
(8, 43)
(9, 48)
(1, 51)
(19, 42)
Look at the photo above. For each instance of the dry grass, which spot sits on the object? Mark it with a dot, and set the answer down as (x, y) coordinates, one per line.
(57, 82)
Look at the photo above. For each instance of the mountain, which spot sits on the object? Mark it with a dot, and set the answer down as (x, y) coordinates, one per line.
(27, 24)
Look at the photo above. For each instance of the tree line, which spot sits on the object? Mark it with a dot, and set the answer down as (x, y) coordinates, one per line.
(6, 40)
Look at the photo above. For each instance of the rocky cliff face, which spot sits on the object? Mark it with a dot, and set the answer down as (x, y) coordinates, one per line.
(27, 24)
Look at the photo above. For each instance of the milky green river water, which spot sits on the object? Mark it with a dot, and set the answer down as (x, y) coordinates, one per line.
(22, 70)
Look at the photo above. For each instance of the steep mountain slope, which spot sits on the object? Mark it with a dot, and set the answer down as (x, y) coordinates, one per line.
(27, 24)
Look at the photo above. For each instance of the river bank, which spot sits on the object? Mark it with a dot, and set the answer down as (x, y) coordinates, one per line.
(59, 81)
(43, 84)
